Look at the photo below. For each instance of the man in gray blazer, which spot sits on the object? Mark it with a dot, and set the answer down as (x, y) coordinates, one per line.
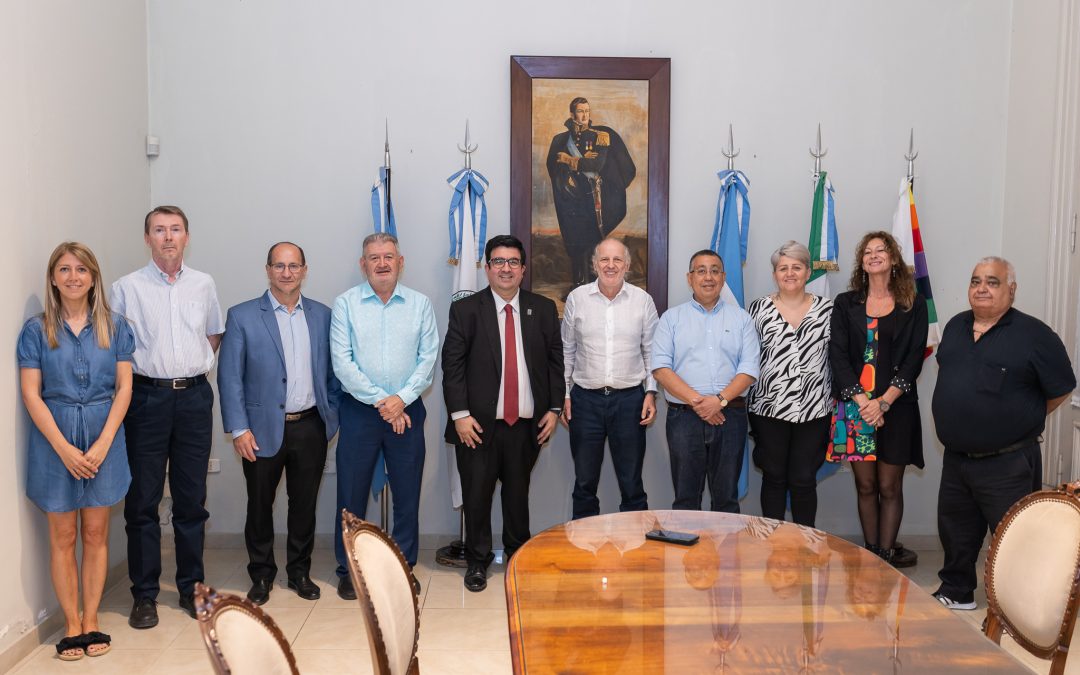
(279, 400)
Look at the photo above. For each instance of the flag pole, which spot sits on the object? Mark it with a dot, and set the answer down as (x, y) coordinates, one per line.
(730, 152)
(818, 154)
(910, 156)
(384, 496)
(453, 554)
(386, 163)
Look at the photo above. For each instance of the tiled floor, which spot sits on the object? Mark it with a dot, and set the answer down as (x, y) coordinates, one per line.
(460, 632)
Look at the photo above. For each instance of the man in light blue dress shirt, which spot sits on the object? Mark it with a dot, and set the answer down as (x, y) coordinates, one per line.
(705, 356)
(279, 400)
(383, 344)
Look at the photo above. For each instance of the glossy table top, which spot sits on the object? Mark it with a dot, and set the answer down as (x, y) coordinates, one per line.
(753, 595)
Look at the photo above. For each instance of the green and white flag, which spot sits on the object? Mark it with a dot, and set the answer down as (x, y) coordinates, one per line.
(824, 246)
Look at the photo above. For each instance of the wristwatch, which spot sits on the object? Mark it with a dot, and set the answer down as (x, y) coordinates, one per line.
(723, 401)
(884, 405)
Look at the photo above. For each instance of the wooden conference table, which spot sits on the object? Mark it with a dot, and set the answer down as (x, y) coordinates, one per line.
(752, 596)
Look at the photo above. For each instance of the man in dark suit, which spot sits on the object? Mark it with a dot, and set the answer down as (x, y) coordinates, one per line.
(279, 399)
(503, 384)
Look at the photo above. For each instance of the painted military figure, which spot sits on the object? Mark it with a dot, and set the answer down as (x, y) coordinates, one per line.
(590, 169)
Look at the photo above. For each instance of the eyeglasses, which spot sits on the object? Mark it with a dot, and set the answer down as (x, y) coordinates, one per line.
(512, 263)
(703, 271)
(281, 267)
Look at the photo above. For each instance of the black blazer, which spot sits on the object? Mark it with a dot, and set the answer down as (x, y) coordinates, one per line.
(472, 358)
(904, 353)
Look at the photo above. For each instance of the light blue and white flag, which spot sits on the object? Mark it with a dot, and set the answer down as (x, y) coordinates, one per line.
(382, 209)
(732, 231)
(731, 234)
(467, 222)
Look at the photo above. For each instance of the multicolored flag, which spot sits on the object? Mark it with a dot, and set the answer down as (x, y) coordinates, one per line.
(905, 229)
(731, 233)
(382, 209)
(824, 244)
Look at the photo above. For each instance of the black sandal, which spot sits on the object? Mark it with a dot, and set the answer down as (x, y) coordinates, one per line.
(69, 644)
(96, 638)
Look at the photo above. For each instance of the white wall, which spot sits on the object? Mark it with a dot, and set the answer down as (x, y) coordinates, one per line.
(73, 114)
(271, 119)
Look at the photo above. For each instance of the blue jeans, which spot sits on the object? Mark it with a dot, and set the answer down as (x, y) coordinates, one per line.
(700, 450)
(363, 434)
(616, 418)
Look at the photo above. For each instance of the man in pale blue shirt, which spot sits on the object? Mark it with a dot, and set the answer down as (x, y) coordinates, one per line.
(174, 312)
(279, 400)
(383, 344)
(705, 356)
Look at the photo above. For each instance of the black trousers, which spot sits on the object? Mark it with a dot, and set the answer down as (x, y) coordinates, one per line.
(302, 457)
(789, 455)
(508, 455)
(974, 495)
(167, 429)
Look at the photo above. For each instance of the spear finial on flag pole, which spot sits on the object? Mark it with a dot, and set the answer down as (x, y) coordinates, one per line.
(910, 157)
(468, 150)
(382, 208)
(731, 153)
(819, 153)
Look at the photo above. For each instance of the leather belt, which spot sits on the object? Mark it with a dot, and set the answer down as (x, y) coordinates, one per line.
(170, 383)
(737, 402)
(297, 416)
(1007, 449)
(608, 391)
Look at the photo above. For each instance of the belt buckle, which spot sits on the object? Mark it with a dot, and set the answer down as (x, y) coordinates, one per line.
(607, 391)
(179, 383)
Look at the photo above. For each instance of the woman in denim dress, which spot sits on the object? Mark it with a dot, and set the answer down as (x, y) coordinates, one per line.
(75, 371)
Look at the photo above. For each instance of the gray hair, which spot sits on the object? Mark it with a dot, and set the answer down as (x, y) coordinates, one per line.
(1010, 271)
(378, 238)
(791, 249)
(626, 249)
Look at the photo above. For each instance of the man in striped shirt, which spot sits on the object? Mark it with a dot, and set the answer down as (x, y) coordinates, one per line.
(174, 313)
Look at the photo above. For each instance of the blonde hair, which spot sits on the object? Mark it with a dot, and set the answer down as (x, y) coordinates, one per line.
(100, 314)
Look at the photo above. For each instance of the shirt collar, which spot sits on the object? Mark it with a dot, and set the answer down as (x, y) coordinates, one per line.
(367, 292)
(515, 302)
(594, 289)
(701, 308)
(277, 305)
(157, 272)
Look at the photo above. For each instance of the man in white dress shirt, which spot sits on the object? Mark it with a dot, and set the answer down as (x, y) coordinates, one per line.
(607, 334)
(174, 313)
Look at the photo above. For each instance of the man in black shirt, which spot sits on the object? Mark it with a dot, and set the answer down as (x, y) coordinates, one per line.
(1001, 372)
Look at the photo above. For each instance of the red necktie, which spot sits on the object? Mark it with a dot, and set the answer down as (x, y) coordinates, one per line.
(510, 371)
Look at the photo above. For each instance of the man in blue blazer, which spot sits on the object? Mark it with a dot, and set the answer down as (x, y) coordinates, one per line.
(279, 400)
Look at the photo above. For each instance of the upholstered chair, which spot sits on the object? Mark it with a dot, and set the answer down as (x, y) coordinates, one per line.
(241, 638)
(384, 590)
(1033, 574)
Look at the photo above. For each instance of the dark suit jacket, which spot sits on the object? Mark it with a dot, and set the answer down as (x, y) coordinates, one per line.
(251, 372)
(904, 353)
(472, 358)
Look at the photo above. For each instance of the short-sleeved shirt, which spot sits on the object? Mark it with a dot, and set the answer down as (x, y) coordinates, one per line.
(78, 381)
(170, 321)
(796, 381)
(992, 393)
(706, 348)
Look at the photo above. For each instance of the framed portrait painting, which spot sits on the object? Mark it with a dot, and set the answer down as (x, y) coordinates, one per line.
(588, 160)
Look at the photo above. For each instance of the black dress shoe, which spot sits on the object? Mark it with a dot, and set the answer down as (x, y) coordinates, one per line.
(305, 587)
(260, 591)
(143, 614)
(904, 557)
(187, 604)
(476, 577)
(345, 589)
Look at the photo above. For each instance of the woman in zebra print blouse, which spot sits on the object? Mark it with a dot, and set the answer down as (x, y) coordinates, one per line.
(791, 401)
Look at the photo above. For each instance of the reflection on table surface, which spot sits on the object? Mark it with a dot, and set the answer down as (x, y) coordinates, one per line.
(753, 595)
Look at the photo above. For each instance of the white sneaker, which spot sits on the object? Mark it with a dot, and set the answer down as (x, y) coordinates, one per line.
(953, 604)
